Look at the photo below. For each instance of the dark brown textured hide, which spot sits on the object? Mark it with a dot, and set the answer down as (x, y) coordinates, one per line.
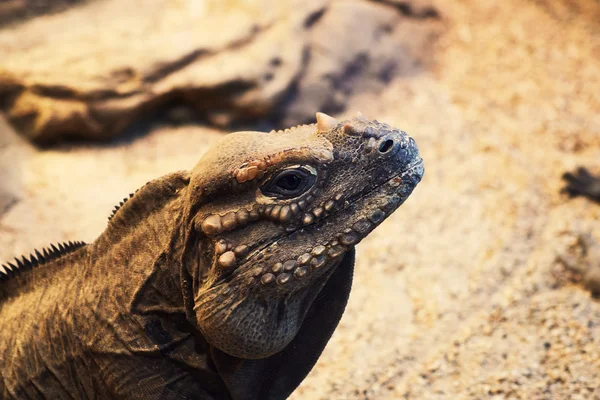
(224, 282)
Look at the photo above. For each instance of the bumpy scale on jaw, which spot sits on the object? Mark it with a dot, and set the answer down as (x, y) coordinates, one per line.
(314, 258)
(280, 217)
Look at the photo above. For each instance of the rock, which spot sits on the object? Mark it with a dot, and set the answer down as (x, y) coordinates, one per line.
(93, 70)
(15, 10)
(12, 152)
(355, 48)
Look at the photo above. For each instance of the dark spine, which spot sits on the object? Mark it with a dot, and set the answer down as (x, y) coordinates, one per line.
(12, 269)
(117, 207)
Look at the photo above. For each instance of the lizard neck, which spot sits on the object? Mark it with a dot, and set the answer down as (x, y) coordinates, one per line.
(137, 259)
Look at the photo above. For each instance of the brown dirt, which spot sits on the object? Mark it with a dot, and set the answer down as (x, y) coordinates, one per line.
(459, 295)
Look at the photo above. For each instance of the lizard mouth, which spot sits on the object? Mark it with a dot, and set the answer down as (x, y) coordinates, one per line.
(326, 239)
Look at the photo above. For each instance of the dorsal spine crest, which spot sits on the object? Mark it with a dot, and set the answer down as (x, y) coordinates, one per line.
(12, 269)
(117, 207)
(290, 130)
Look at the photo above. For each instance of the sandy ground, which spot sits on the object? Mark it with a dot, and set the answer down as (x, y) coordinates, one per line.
(459, 294)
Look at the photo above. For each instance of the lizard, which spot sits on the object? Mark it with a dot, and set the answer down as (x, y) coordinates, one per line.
(222, 282)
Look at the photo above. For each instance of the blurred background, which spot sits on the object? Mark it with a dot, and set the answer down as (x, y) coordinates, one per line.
(461, 293)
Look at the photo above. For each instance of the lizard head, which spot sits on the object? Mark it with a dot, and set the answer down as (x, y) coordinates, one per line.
(274, 213)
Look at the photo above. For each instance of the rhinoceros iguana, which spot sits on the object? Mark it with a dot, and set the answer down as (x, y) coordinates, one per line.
(223, 282)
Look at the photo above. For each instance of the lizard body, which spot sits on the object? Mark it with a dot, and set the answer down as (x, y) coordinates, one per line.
(223, 282)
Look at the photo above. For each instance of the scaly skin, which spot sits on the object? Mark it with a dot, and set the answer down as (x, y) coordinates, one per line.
(225, 282)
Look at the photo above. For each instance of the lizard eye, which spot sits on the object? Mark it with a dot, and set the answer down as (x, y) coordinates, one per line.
(289, 183)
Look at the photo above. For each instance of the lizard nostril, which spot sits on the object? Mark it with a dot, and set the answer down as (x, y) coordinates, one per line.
(385, 146)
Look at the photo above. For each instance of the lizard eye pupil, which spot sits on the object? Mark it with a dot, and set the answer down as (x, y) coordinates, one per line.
(289, 183)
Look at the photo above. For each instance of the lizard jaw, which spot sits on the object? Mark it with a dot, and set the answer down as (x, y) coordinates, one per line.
(378, 203)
